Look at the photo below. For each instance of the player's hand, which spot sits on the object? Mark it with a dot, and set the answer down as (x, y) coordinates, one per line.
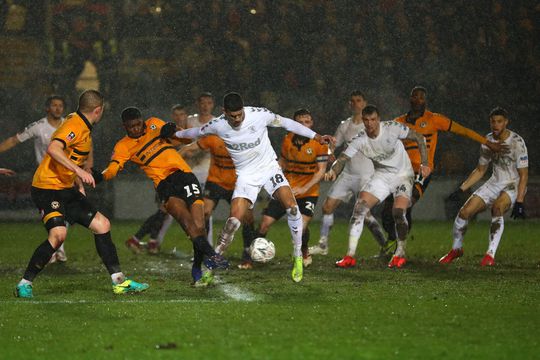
(298, 191)
(498, 147)
(518, 212)
(98, 176)
(86, 177)
(167, 130)
(330, 175)
(425, 171)
(325, 139)
(456, 195)
(7, 172)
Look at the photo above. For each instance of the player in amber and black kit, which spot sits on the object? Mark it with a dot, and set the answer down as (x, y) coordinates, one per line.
(176, 186)
(58, 192)
(428, 124)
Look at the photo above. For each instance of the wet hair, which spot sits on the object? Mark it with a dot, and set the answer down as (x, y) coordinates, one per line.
(178, 107)
(131, 113)
(89, 100)
(205, 94)
(300, 112)
(370, 109)
(50, 99)
(233, 102)
(498, 111)
(358, 93)
(419, 88)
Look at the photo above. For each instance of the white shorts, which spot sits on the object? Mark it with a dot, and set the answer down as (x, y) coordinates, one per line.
(248, 186)
(491, 190)
(381, 185)
(346, 185)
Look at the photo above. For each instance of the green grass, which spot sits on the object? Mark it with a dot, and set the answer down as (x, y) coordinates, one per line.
(369, 312)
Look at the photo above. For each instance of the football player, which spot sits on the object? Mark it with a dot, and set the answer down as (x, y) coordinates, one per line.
(505, 188)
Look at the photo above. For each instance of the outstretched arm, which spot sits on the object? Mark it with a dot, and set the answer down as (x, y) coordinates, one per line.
(7, 172)
(299, 129)
(461, 130)
(425, 170)
(9, 143)
(476, 175)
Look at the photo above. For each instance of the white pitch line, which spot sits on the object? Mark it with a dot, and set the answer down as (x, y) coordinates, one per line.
(235, 292)
(109, 302)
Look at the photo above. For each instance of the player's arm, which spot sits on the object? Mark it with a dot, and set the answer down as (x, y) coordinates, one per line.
(461, 130)
(120, 156)
(476, 175)
(299, 129)
(89, 163)
(191, 133)
(56, 151)
(317, 177)
(9, 143)
(412, 135)
(7, 172)
(337, 167)
(190, 150)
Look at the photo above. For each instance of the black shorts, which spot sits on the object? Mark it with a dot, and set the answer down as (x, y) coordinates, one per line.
(306, 205)
(69, 204)
(182, 185)
(215, 192)
(420, 187)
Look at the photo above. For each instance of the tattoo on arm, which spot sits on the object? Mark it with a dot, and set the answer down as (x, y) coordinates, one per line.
(339, 164)
(421, 141)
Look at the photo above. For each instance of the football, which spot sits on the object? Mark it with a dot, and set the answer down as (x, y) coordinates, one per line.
(262, 250)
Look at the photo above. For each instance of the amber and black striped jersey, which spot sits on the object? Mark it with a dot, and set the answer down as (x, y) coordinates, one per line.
(75, 134)
(300, 158)
(221, 170)
(157, 157)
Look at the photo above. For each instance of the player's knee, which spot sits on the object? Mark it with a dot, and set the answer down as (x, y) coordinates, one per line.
(361, 209)
(327, 208)
(57, 236)
(100, 224)
(498, 210)
(399, 215)
(465, 214)
(293, 212)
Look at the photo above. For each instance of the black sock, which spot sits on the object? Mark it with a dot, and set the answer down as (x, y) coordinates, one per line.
(148, 225)
(200, 243)
(107, 251)
(409, 217)
(39, 259)
(248, 235)
(305, 241)
(388, 219)
(198, 257)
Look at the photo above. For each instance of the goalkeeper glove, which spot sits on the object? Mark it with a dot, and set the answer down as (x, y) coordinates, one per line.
(98, 176)
(167, 130)
(518, 212)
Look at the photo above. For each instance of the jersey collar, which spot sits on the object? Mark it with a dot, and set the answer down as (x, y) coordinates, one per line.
(85, 120)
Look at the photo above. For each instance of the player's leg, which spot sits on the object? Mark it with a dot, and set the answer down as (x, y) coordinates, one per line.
(134, 242)
(329, 206)
(472, 206)
(363, 204)
(307, 209)
(167, 222)
(209, 206)
(499, 207)
(155, 228)
(388, 220)
(399, 213)
(248, 235)
(239, 207)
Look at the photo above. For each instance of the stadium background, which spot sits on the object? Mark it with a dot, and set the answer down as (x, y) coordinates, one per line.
(471, 56)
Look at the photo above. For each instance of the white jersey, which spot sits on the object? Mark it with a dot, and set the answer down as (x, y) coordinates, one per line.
(200, 163)
(248, 144)
(41, 131)
(386, 150)
(359, 164)
(505, 165)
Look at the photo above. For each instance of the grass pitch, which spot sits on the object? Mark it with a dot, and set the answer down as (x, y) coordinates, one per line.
(369, 312)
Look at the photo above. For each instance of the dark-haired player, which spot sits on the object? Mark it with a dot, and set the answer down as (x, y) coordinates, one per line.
(41, 132)
(60, 201)
(427, 123)
(303, 161)
(505, 188)
(175, 184)
(244, 131)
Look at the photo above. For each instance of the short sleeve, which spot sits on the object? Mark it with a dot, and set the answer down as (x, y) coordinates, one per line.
(401, 130)
(485, 156)
(354, 146)
(441, 122)
(69, 134)
(205, 142)
(339, 135)
(522, 157)
(28, 133)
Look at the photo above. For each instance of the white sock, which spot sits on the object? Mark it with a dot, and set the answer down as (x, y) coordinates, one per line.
(118, 278)
(375, 228)
(164, 228)
(210, 235)
(25, 282)
(136, 238)
(460, 228)
(401, 245)
(227, 234)
(495, 234)
(326, 226)
(355, 232)
(61, 248)
(295, 226)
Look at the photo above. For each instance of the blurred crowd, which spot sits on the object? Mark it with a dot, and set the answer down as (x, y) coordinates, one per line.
(471, 55)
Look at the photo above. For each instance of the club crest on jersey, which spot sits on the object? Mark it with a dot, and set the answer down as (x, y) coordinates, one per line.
(423, 124)
(252, 129)
(309, 151)
(70, 136)
(55, 205)
(153, 127)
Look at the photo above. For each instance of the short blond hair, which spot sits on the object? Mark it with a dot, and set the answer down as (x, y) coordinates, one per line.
(89, 100)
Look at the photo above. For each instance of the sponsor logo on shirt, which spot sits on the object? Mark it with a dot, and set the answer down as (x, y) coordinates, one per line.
(244, 146)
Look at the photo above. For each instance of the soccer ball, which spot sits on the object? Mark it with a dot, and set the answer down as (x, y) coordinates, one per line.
(262, 250)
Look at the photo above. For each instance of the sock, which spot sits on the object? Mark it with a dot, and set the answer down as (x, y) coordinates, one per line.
(164, 228)
(118, 278)
(107, 252)
(24, 282)
(210, 231)
(201, 245)
(294, 219)
(61, 248)
(375, 229)
(198, 255)
(495, 234)
(402, 229)
(146, 226)
(388, 220)
(400, 250)
(305, 241)
(39, 259)
(227, 234)
(326, 226)
(356, 225)
(248, 235)
(460, 228)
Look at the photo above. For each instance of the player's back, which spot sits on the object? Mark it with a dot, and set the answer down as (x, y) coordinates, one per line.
(221, 171)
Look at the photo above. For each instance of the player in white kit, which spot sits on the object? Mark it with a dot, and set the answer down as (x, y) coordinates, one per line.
(505, 188)
(393, 174)
(244, 131)
(355, 175)
(41, 132)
